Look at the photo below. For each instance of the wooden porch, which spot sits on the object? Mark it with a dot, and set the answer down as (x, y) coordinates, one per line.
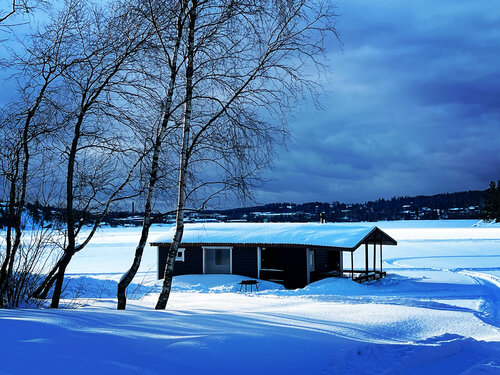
(367, 273)
(361, 276)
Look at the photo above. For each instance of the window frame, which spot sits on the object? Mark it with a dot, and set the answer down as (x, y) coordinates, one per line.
(181, 257)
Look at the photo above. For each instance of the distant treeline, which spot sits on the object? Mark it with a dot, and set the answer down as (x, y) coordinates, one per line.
(461, 205)
(50, 215)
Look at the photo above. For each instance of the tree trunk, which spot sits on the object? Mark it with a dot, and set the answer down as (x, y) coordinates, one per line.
(130, 274)
(4, 279)
(169, 269)
(43, 289)
(183, 163)
(70, 218)
(153, 177)
(15, 213)
(59, 277)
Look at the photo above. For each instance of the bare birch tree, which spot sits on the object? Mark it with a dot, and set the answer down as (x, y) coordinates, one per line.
(167, 19)
(25, 123)
(7, 11)
(246, 62)
(98, 161)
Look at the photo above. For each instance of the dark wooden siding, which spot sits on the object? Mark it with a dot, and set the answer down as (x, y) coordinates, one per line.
(162, 261)
(193, 262)
(334, 260)
(324, 262)
(321, 260)
(285, 265)
(245, 261)
(294, 262)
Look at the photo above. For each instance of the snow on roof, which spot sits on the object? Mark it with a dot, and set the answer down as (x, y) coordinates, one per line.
(308, 234)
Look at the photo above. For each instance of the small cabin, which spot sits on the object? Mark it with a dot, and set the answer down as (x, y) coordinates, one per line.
(293, 254)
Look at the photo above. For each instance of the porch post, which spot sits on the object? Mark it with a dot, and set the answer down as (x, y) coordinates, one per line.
(341, 261)
(381, 258)
(259, 261)
(352, 265)
(366, 258)
(375, 258)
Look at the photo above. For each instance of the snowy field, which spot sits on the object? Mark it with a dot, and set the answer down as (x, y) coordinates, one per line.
(437, 312)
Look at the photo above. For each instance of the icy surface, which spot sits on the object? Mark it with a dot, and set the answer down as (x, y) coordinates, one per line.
(437, 312)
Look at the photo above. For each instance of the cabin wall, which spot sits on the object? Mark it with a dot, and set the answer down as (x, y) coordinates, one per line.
(321, 260)
(162, 261)
(244, 261)
(286, 264)
(294, 263)
(193, 261)
(334, 262)
(325, 261)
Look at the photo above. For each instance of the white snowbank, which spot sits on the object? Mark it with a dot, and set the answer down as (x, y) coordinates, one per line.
(218, 284)
(90, 287)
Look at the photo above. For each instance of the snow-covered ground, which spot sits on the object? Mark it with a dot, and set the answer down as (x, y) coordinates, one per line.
(437, 312)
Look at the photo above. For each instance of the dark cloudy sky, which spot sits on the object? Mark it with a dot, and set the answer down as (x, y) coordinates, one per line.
(413, 108)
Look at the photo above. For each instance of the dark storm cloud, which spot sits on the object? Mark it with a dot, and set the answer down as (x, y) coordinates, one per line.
(413, 108)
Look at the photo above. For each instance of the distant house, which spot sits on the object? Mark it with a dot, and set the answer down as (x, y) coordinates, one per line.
(294, 254)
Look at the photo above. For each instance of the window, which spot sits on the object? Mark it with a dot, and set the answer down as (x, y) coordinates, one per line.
(180, 255)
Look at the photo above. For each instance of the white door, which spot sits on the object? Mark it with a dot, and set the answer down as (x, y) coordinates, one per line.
(217, 260)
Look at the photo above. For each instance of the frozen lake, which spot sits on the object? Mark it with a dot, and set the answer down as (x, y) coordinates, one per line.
(438, 311)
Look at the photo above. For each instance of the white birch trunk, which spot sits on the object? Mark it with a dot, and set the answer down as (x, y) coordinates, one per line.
(183, 163)
(153, 175)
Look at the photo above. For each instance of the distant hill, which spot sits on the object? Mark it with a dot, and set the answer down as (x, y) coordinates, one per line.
(461, 205)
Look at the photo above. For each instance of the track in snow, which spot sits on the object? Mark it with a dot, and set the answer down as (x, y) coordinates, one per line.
(490, 309)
